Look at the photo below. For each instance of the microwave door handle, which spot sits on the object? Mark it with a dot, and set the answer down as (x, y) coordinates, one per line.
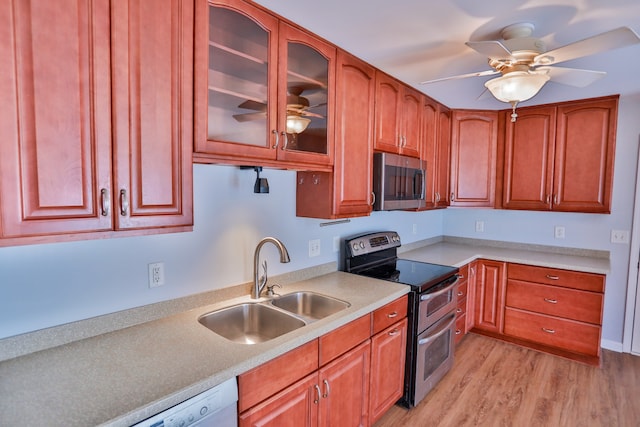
(418, 183)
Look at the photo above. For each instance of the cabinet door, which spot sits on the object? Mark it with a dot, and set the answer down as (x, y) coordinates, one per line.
(388, 350)
(489, 299)
(236, 80)
(411, 134)
(585, 148)
(297, 405)
(473, 158)
(55, 117)
(345, 389)
(345, 192)
(528, 159)
(443, 160)
(430, 112)
(305, 97)
(387, 113)
(153, 112)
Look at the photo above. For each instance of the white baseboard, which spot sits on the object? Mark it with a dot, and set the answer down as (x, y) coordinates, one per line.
(611, 345)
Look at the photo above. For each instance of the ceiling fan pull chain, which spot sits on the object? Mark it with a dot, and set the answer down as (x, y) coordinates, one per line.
(514, 115)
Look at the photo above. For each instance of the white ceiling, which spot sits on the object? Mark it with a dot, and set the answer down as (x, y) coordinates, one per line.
(418, 40)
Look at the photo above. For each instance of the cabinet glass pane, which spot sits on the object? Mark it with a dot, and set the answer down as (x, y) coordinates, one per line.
(238, 78)
(307, 80)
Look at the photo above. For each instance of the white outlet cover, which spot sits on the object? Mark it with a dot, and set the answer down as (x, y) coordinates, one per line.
(156, 274)
(314, 248)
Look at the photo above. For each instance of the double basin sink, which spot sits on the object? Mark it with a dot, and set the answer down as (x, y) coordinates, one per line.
(256, 322)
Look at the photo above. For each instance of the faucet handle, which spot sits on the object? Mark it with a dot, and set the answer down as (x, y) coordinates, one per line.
(270, 292)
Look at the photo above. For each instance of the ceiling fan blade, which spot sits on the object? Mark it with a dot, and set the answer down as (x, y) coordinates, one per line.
(493, 49)
(572, 76)
(310, 114)
(247, 117)
(253, 105)
(463, 76)
(614, 39)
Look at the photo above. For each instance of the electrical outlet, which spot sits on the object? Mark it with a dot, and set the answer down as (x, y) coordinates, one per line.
(479, 226)
(314, 248)
(559, 232)
(336, 243)
(156, 274)
(619, 236)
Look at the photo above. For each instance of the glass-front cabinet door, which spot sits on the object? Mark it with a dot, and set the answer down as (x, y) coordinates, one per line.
(266, 85)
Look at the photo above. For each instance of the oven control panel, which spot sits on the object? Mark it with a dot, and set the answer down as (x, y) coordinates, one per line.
(373, 242)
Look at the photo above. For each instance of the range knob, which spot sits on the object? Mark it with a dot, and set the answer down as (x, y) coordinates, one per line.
(355, 246)
(362, 245)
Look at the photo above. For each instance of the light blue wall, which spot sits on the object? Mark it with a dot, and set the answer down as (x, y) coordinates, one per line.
(48, 285)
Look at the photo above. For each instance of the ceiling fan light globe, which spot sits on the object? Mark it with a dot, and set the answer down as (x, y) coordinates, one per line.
(297, 124)
(516, 86)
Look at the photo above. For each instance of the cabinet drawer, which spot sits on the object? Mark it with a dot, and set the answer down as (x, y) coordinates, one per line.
(568, 303)
(339, 341)
(461, 328)
(553, 276)
(462, 290)
(461, 308)
(269, 378)
(552, 331)
(389, 314)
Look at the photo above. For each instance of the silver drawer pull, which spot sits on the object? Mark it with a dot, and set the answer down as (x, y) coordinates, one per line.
(326, 388)
(392, 315)
(549, 331)
(318, 394)
(394, 332)
(458, 331)
(460, 293)
(551, 301)
(550, 277)
(459, 310)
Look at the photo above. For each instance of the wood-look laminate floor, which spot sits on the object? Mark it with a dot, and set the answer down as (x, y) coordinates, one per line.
(494, 383)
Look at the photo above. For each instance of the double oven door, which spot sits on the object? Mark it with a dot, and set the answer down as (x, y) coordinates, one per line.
(434, 343)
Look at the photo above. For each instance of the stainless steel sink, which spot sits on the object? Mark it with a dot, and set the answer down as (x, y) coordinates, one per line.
(250, 323)
(309, 304)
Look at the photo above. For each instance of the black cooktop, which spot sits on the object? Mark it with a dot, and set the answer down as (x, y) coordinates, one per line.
(418, 274)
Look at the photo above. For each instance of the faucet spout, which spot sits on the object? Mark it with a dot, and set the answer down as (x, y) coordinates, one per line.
(260, 282)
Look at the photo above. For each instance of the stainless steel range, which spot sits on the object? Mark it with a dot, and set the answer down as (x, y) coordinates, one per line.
(431, 311)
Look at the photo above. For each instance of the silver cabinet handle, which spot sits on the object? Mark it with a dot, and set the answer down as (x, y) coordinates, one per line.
(458, 331)
(437, 196)
(452, 197)
(392, 315)
(105, 202)
(124, 202)
(551, 301)
(549, 331)
(555, 199)
(460, 293)
(550, 277)
(275, 132)
(327, 390)
(373, 198)
(318, 394)
(458, 310)
(394, 332)
(286, 140)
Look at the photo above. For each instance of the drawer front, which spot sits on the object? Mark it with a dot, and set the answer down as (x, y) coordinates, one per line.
(389, 314)
(553, 276)
(462, 290)
(339, 341)
(461, 328)
(269, 378)
(552, 331)
(568, 303)
(461, 308)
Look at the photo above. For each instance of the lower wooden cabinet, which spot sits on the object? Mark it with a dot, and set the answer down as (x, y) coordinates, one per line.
(388, 352)
(553, 310)
(344, 378)
(489, 295)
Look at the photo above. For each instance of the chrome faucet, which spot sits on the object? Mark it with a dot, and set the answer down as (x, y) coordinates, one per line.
(260, 282)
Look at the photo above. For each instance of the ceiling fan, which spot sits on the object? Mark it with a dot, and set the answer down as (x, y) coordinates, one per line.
(525, 65)
(297, 109)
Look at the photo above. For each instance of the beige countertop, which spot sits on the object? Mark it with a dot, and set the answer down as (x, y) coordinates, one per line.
(125, 376)
(459, 254)
(121, 377)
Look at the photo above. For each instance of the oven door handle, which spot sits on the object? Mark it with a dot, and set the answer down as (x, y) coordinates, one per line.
(441, 330)
(429, 295)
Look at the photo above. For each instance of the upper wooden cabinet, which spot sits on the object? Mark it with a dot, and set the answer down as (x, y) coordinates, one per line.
(345, 192)
(560, 157)
(257, 78)
(66, 66)
(474, 140)
(398, 117)
(436, 150)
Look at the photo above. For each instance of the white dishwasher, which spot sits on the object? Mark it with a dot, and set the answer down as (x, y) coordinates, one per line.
(216, 407)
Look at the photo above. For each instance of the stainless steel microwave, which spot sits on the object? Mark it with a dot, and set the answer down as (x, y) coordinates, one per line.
(398, 182)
